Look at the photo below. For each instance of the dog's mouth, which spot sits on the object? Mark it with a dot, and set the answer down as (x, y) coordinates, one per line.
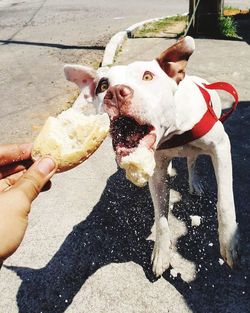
(127, 134)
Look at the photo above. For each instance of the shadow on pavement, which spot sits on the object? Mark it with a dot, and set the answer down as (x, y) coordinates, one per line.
(115, 231)
(50, 45)
(217, 288)
(243, 26)
(117, 228)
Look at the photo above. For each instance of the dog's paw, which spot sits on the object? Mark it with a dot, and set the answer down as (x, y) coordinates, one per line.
(229, 246)
(160, 257)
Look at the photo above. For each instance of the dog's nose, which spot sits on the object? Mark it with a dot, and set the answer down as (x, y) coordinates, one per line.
(119, 93)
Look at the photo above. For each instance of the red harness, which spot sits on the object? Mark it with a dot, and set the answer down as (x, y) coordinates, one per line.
(207, 121)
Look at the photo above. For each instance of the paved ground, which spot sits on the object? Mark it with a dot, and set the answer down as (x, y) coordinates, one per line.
(86, 249)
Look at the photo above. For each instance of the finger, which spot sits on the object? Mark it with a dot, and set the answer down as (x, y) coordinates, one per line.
(14, 153)
(10, 180)
(31, 183)
(10, 169)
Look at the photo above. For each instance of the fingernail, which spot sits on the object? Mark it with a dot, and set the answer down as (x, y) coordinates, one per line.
(46, 165)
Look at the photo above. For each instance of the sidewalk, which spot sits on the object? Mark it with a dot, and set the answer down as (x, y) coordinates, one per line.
(103, 263)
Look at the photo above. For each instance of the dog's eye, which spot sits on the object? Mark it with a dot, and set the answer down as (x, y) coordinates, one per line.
(102, 86)
(148, 76)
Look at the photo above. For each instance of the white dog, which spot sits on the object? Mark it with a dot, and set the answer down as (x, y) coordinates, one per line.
(155, 104)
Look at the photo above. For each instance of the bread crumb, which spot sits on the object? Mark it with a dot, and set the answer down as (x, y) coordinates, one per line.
(139, 166)
(195, 220)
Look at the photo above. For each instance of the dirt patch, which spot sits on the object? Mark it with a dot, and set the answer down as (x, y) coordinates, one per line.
(232, 12)
(169, 27)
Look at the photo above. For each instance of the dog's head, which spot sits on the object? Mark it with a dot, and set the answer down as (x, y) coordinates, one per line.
(139, 97)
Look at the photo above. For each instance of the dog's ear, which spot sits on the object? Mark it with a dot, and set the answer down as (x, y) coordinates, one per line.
(85, 77)
(174, 60)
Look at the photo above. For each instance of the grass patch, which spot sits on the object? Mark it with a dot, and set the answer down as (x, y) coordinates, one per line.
(174, 25)
(228, 7)
(228, 23)
(228, 27)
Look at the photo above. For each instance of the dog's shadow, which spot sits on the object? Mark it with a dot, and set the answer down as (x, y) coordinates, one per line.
(216, 288)
(117, 228)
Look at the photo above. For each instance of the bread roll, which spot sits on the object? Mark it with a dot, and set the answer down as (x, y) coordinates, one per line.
(139, 166)
(71, 137)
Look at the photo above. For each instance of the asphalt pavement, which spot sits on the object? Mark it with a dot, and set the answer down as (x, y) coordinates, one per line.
(38, 37)
(88, 247)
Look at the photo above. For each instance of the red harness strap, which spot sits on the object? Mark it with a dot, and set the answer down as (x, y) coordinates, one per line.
(228, 88)
(207, 121)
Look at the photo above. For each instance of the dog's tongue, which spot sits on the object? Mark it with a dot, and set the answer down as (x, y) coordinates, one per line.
(148, 141)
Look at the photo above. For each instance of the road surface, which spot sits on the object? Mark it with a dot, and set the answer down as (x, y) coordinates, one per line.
(38, 37)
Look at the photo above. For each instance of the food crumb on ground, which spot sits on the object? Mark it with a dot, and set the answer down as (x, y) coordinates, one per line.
(195, 220)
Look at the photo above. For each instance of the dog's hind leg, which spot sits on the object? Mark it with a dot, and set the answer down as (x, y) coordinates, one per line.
(227, 226)
(160, 196)
(195, 185)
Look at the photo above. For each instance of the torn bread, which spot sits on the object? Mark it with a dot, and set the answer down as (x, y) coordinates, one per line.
(139, 166)
(71, 137)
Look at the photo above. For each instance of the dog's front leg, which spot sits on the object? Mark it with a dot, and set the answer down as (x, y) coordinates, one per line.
(227, 226)
(160, 195)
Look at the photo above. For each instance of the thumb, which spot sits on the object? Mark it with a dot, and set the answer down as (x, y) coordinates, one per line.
(31, 183)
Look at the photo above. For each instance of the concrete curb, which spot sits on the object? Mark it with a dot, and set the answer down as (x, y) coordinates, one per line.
(112, 47)
(118, 39)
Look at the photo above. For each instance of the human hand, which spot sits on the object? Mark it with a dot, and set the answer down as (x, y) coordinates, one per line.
(18, 188)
